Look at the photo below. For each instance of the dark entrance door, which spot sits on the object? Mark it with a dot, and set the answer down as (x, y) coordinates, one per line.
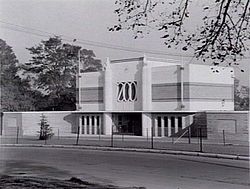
(127, 123)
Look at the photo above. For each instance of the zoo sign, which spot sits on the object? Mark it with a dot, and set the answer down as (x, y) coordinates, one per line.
(126, 91)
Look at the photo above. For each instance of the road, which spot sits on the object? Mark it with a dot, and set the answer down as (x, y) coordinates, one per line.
(154, 171)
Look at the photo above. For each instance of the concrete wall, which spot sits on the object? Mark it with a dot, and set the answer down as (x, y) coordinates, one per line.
(211, 96)
(11, 122)
(166, 88)
(162, 62)
(127, 71)
(28, 122)
(206, 74)
(162, 75)
(92, 86)
(92, 95)
(158, 86)
(235, 125)
(211, 90)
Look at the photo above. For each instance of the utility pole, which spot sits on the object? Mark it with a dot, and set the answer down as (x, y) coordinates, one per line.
(182, 85)
(79, 78)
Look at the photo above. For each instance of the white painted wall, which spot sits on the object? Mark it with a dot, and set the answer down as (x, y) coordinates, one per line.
(162, 72)
(169, 106)
(205, 74)
(107, 123)
(92, 107)
(127, 71)
(206, 105)
(146, 85)
(92, 79)
(59, 120)
(146, 125)
(107, 90)
(29, 122)
(167, 74)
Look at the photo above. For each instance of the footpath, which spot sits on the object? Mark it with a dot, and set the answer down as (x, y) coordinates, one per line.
(211, 149)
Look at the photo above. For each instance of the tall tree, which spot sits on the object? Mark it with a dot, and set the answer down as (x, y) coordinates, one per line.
(222, 35)
(16, 94)
(53, 69)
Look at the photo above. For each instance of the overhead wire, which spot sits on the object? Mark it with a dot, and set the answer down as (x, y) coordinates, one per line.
(42, 33)
(83, 41)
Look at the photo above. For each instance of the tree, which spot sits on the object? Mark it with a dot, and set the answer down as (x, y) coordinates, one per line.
(222, 36)
(46, 131)
(16, 94)
(241, 97)
(53, 68)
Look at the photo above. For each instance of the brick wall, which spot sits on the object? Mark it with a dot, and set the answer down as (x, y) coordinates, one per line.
(235, 125)
(200, 122)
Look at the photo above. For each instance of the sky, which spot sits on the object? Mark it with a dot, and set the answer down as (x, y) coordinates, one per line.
(88, 22)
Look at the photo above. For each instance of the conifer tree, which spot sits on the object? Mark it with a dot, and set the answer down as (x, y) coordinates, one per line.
(46, 131)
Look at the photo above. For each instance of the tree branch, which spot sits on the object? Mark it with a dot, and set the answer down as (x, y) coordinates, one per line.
(242, 21)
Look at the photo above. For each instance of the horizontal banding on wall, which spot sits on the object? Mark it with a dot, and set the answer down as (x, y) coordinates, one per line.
(191, 99)
(91, 94)
(192, 91)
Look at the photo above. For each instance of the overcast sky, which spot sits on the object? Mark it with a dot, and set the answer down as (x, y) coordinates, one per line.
(84, 20)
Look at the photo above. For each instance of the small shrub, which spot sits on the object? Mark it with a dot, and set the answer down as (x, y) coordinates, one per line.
(46, 131)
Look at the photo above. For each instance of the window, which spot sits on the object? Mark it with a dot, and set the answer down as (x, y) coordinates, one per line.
(159, 121)
(166, 121)
(172, 124)
(127, 91)
(97, 120)
(179, 123)
(87, 120)
(166, 126)
(92, 120)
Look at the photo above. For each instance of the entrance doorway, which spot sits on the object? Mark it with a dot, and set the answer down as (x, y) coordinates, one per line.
(127, 123)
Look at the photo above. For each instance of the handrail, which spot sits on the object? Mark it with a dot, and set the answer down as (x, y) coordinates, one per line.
(180, 137)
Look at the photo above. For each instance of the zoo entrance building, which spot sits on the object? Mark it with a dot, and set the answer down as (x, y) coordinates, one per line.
(145, 97)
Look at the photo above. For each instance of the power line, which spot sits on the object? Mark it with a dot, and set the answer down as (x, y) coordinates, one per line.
(85, 42)
(88, 42)
(18, 30)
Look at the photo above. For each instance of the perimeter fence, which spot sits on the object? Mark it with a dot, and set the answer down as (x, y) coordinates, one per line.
(185, 142)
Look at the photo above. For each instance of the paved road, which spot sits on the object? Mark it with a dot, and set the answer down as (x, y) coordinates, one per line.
(156, 171)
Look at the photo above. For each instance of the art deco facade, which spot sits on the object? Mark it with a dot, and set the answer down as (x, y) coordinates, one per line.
(144, 96)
